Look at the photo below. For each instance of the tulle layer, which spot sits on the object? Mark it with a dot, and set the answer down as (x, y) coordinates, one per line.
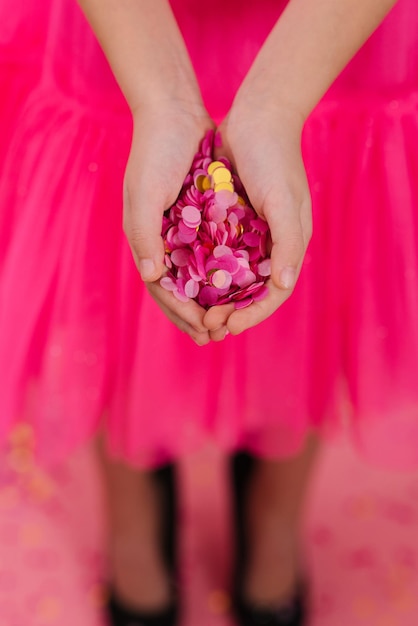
(60, 210)
(84, 349)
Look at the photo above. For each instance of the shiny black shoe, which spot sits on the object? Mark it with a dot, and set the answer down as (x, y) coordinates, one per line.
(294, 612)
(118, 613)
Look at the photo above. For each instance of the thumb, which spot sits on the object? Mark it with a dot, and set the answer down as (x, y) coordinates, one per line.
(288, 247)
(143, 213)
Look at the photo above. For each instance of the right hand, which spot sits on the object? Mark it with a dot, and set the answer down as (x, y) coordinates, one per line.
(165, 139)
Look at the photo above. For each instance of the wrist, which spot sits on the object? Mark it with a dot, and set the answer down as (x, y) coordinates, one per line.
(164, 86)
(271, 111)
(174, 106)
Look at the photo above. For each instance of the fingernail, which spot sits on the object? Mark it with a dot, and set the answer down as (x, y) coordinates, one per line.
(147, 269)
(288, 277)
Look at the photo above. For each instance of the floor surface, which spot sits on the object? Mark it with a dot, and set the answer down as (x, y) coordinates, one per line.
(361, 536)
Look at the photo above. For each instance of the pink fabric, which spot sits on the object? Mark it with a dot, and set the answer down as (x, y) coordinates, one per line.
(82, 345)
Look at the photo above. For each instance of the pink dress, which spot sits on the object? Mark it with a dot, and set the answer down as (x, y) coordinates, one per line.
(82, 346)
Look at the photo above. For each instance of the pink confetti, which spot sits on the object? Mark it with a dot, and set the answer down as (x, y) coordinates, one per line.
(191, 288)
(191, 216)
(264, 268)
(215, 242)
(221, 279)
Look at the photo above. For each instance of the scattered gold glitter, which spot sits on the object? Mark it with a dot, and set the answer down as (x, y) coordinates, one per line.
(8, 497)
(364, 606)
(49, 609)
(22, 435)
(31, 535)
(40, 486)
(404, 600)
(20, 460)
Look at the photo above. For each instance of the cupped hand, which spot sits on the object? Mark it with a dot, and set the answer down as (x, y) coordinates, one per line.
(165, 139)
(264, 145)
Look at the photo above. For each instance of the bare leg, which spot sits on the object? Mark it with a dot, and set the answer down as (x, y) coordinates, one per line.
(138, 573)
(275, 502)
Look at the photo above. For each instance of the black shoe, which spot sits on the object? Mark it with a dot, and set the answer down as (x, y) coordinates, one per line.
(119, 613)
(293, 613)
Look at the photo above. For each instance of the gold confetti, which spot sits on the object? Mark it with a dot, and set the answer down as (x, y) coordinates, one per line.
(9, 497)
(222, 175)
(215, 165)
(49, 609)
(224, 187)
(22, 435)
(20, 460)
(202, 183)
(40, 486)
(364, 606)
(31, 535)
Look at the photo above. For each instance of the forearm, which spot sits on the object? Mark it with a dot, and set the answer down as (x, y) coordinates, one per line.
(307, 49)
(145, 49)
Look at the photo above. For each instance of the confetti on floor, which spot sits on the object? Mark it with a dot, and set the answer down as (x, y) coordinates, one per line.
(361, 535)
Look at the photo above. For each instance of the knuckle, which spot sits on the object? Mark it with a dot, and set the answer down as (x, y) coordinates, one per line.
(137, 236)
(295, 246)
(198, 337)
(198, 328)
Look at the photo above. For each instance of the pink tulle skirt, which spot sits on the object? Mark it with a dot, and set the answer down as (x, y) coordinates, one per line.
(83, 349)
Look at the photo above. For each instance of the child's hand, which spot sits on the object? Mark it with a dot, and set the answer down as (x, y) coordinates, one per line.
(264, 145)
(166, 137)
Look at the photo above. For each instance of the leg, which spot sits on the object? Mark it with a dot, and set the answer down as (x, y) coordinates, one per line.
(138, 573)
(274, 507)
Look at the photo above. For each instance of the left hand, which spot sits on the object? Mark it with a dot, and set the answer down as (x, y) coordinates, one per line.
(264, 145)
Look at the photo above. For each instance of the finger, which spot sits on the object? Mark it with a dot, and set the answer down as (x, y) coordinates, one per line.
(289, 243)
(200, 338)
(217, 316)
(222, 147)
(143, 214)
(155, 173)
(189, 313)
(219, 334)
(242, 319)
